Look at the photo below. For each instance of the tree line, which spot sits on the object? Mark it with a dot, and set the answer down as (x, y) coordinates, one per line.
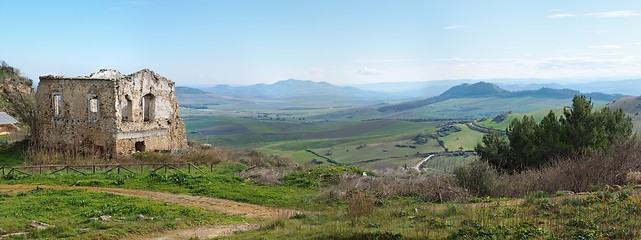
(530, 145)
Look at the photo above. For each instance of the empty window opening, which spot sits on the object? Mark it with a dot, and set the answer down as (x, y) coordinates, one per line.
(93, 104)
(140, 146)
(148, 105)
(127, 110)
(56, 103)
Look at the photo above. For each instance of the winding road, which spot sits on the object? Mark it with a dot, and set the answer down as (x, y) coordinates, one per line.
(418, 166)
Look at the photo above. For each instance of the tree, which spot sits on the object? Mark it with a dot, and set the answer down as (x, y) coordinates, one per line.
(531, 145)
(524, 145)
(17, 90)
(550, 136)
(494, 149)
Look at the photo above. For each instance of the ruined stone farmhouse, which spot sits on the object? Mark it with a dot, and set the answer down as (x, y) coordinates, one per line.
(108, 113)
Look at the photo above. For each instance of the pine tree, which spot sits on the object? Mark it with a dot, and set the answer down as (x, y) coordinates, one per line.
(531, 145)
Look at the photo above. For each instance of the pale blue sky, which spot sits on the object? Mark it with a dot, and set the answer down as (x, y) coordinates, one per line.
(339, 41)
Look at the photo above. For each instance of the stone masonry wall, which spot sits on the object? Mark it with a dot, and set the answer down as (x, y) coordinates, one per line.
(73, 130)
(165, 130)
(104, 113)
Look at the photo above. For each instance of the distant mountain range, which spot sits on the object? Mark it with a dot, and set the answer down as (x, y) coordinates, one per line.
(294, 89)
(425, 89)
(305, 93)
(484, 89)
(626, 87)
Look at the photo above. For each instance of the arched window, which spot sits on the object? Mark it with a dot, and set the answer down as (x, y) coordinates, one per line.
(148, 107)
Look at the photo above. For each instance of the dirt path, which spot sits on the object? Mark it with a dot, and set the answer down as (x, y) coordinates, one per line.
(418, 166)
(207, 203)
(199, 233)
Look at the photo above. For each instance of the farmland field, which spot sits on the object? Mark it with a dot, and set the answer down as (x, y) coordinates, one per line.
(466, 139)
(350, 134)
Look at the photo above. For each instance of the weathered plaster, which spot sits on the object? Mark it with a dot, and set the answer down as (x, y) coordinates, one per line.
(117, 126)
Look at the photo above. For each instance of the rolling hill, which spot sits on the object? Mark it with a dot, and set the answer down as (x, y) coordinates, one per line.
(489, 90)
(632, 107)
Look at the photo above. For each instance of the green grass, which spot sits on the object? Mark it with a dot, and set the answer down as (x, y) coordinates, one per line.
(538, 115)
(221, 183)
(13, 154)
(466, 138)
(383, 150)
(70, 211)
(596, 216)
(447, 163)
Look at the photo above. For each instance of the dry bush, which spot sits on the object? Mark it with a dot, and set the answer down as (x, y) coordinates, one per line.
(195, 154)
(359, 204)
(397, 183)
(201, 156)
(264, 176)
(51, 157)
(576, 173)
(633, 177)
(206, 153)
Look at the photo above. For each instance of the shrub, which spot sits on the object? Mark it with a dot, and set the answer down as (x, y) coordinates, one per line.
(325, 174)
(478, 177)
(577, 173)
(359, 204)
(397, 183)
(264, 176)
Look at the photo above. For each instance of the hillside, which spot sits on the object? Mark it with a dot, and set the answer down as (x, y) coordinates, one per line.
(12, 82)
(489, 90)
(196, 98)
(632, 107)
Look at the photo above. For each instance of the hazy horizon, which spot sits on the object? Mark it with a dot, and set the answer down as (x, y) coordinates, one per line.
(206, 43)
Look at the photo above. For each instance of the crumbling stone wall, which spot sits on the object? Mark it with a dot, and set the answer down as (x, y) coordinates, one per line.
(164, 130)
(105, 113)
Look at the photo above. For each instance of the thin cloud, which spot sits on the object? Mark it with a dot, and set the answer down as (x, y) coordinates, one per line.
(562, 15)
(370, 71)
(637, 43)
(452, 27)
(511, 48)
(626, 13)
(138, 3)
(391, 60)
(612, 46)
(598, 31)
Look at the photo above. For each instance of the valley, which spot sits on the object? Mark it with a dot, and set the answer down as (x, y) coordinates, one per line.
(357, 127)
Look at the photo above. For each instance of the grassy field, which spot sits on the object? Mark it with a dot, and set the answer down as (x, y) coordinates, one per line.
(475, 108)
(447, 164)
(538, 115)
(222, 182)
(466, 139)
(13, 155)
(292, 138)
(596, 216)
(70, 211)
(385, 151)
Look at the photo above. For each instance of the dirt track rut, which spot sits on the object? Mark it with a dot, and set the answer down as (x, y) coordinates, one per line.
(207, 203)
